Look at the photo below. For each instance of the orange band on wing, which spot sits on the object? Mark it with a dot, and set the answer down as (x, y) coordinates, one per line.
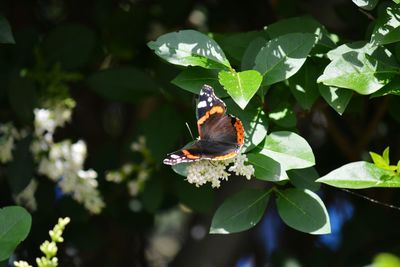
(240, 132)
(216, 109)
(188, 155)
(227, 156)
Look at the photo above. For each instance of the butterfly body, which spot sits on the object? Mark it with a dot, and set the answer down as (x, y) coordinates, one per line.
(221, 136)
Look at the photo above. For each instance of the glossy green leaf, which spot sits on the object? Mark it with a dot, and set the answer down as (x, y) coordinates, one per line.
(122, 84)
(240, 212)
(387, 28)
(360, 67)
(304, 178)
(366, 4)
(358, 175)
(255, 123)
(6, 36)
(303, 210)
(190, 48)
(385, 155)
(337, 98)
(266, 168)
(303, 24)
(378, 160)
(58, 47)
(241, 86)
(291, 150)
(283, 56)
(283, 115)
(181, 168)
(304, 87)
(15, 224)
(192, 79)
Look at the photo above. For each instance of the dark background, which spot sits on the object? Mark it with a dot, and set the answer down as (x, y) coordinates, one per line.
(164, 232)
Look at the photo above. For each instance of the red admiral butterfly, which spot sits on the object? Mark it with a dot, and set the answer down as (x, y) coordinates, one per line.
(221, 135)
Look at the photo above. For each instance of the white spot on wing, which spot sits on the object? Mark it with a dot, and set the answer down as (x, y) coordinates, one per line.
(209, 99)
(202, 104)
(175, 156)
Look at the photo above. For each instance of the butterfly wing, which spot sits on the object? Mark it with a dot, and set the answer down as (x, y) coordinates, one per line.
(202, 149)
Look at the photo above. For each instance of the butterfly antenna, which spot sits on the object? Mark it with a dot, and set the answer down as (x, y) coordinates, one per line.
(371, 199)
(190, 131)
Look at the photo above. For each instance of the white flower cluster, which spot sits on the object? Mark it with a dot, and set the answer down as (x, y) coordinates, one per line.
(8, 134)
(203, 171)
(65, 164)
(63, 161)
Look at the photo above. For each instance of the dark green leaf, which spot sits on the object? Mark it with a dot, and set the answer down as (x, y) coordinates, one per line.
(241, 86)
(122, 84)
(190, 48)
(235, 44)
(392, 88)
(304, 178)
(387, 28)
(72, 45)
(282, 57)
(6, 36)
(266, 168)
(337, 98)
(192, 79)
(251, 52)
(304, 24)
(181, 168)
(283, 115)
(358, 175)
(289, 149)
(255, 123)
(366, 4)
(303, 86)
(21, 169)
(303, 210)
(22, 96)
(240, 212)
(15, 225)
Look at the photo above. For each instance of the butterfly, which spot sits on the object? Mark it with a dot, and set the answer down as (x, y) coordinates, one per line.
(221, 135)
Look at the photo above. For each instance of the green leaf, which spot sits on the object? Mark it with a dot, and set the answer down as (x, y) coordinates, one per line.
(190, 48)
(235, 44)
(241, 86)
(192, 79)
(20, 171)
(255, 123)
(289, 149)
(251, 52)
(366, 4)
(283, 115)
(378, 160)
(58, 47)
(303, 24)
(337, 98)
(385, 156)
(283, 56)
(304, 178)
(6, 36)
(181, 168)
(304, 211)
(358, 175)
(15, 225)
(387, 27)
(122, 84)
(303, 86)
(392, 88)
(240, 212)
(266, 168)
(398, 166)
(364, 69)
(386, 260)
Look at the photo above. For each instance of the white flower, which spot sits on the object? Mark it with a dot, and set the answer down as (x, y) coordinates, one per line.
(27, 196)
(8, 134)
(133, 188)
(203, 171)
(140, 145)
(114, 176)
(44, 121)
